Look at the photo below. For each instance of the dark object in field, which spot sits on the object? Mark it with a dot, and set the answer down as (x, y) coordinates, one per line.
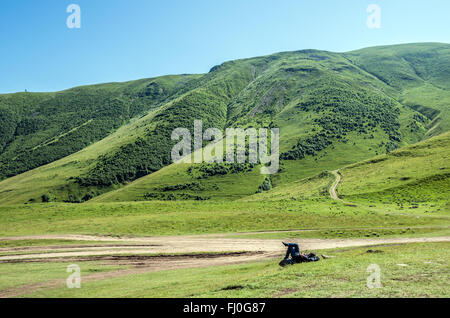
(233, 287)
(293, 255)
(374, 251)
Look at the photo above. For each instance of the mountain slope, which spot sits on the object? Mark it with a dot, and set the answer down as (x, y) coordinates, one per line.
(333, 109)
(420, 72)
(414, 175)
(411, 176)
(325, 110)
(39, 128)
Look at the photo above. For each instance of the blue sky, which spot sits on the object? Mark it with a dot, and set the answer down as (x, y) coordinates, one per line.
(123, 40)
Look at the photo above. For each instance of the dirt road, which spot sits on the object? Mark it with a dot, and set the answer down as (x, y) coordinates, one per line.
(183, 245)
(333, 187)
(195, 251)
(139, 265)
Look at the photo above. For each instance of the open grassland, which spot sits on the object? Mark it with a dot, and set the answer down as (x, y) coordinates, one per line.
(333, 233)
(407, 270)
(192, 217)
(14, 275)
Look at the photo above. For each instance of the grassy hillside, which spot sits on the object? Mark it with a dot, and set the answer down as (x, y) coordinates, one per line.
(180, 182)
(332, 110)
(414, 177)
(419, 72)
(405, 188)
(39, 128)
(325, 111)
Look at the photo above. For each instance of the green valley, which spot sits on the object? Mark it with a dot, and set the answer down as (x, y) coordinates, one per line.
(87, 178)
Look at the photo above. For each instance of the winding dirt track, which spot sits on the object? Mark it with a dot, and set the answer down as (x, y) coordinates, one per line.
(333, 187)
(198, 251)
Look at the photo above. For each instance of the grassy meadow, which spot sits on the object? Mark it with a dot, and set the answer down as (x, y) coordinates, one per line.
(178, 218)
(407, 270)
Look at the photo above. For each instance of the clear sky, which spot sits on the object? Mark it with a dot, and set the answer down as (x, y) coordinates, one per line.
(122, 40)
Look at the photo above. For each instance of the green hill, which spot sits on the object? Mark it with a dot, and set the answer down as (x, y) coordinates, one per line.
(333, 109)
(413, 177)
(39, 128)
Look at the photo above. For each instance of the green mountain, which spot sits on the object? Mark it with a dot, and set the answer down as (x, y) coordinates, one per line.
(112, 142)
(39, 128)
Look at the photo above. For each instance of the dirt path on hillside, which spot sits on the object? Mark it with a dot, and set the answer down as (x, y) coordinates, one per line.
(333, 192)
(333, 187)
